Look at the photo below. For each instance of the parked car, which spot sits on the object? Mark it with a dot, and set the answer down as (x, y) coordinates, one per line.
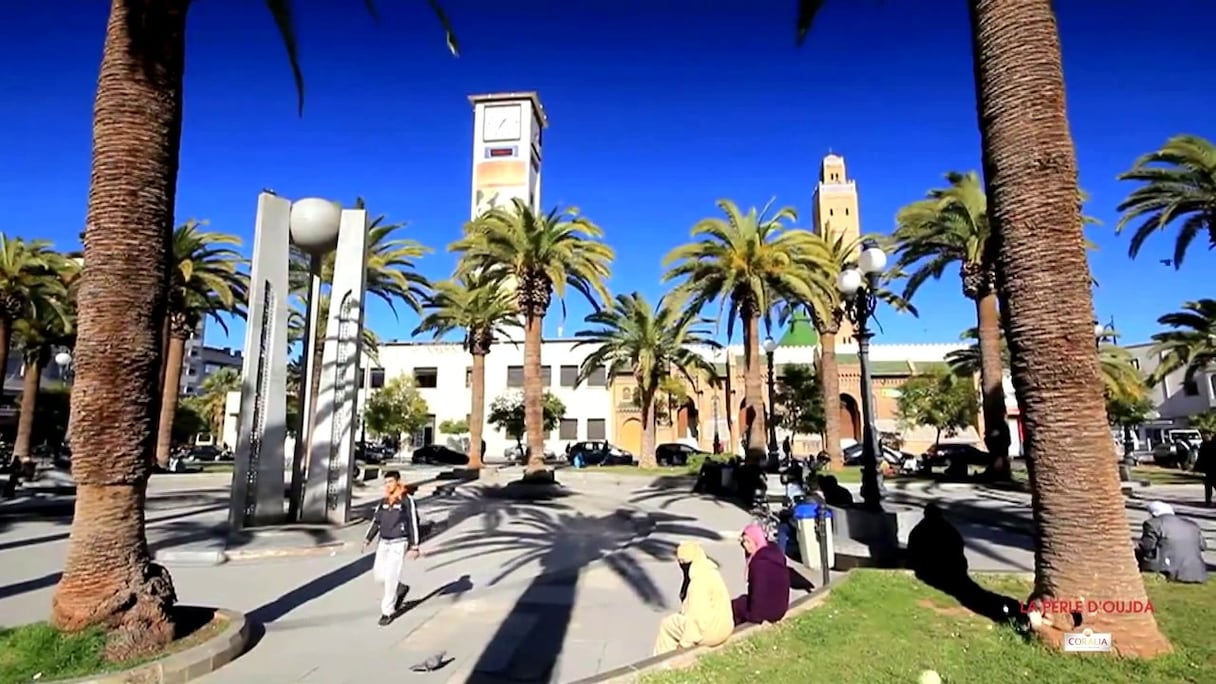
(600, 453)
(852, 455)
(438, 454)
(514, 454)
(673, 454)
(955, 454)
(1180, 452)
(208, 453)
(373, 453)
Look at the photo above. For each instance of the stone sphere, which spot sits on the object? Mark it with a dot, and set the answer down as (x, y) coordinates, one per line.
(314, 224)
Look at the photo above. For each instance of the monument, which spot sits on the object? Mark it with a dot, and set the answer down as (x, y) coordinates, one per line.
(314, 226)
(508, 133)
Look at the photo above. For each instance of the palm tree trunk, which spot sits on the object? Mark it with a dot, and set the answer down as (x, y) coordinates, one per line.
(1044, 280)
(534, 396)
(170, 391)
(992, 389)
(314, 381)
(753, 387)
(109, 577)
(29, 405)
(646, 459)
(477, 412)
(829, 379)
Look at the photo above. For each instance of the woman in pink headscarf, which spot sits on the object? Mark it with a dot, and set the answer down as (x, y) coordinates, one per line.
(768, 580)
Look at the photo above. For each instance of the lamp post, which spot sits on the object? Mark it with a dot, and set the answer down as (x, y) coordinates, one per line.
(64, 360)
(859, 286)
(717, 435)
(770, 346)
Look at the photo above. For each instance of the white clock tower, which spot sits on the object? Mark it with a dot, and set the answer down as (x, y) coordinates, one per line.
(507, 136)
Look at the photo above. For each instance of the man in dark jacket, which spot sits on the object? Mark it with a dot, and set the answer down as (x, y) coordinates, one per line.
(1172, 546)
(397, 523)
(1206, 464)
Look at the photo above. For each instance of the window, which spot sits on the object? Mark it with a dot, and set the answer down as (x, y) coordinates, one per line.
(515, 376)
(568, 429)
(468, 376)
(546, 376)
(1190, 388)
(846, 211)
(1136, 364)
(598, 378)
(569, 374)
(831, 212)
(595, 428)
(375, 378)
(427, 378)
(627, 396)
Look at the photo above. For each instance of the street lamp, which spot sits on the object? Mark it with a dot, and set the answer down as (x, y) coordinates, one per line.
(770, 346)
(717, 435)
(64, 360)
(314, 229)
(859, 286)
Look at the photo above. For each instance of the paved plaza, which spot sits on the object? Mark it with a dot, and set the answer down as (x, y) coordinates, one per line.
(555, 590)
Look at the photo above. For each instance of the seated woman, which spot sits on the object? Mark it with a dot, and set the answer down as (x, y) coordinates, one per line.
(704, 618)
(1172, 545)
(768, 580)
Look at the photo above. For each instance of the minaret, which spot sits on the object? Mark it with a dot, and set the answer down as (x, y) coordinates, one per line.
(835, 211)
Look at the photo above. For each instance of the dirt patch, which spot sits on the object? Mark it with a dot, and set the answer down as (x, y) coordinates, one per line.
(948, 611)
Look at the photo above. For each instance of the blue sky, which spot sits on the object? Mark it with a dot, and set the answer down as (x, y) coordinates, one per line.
(656, 109)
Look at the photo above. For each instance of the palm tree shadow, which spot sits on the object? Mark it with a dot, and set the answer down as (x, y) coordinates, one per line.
(554, 542)
(668, 491)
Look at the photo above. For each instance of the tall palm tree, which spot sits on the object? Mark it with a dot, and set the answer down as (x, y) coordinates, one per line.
(212, 401)
(1030, 171)
(29, 285)
(206, 282)
(1191, 345)
(53, 326)
(650, 343)
(1179, 186)
(950, 227)
(137, 122)
(476, 304)
(748, 262)
(539, 255)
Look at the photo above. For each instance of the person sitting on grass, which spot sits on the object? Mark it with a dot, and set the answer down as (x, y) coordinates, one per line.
(705, 614)
(834, 494)
(768, 580)
(936, 554)
(1172, 545)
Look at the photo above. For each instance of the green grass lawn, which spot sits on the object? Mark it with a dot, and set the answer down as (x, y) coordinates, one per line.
(32, 649)
(1166, 476)
(888, 627)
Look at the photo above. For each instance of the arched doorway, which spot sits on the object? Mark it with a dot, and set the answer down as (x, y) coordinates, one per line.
(850, 418)
(631, 436)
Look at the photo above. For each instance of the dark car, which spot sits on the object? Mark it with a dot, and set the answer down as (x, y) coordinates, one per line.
(437, 454)
(852, 455)
(600, 453)
(673, 454)
(372, 453)
(207, 453)
(957, 455)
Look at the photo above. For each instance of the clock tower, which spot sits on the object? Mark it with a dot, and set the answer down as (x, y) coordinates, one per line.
(508, 130)
(835, 208)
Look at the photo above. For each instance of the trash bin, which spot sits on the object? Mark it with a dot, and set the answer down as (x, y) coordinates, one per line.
(808, 539)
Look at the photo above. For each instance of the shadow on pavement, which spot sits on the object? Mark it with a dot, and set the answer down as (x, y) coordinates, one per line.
(669, 490)
(35, 584)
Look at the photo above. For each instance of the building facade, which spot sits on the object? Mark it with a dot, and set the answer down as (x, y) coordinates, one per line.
(1174, 398)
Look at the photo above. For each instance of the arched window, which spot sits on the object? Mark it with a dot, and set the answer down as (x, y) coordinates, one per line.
(627, 396)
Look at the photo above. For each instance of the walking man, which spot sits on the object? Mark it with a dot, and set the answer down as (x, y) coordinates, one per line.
(396, 520)
(1206, 464)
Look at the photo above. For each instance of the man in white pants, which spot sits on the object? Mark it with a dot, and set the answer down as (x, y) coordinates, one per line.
(396, 521)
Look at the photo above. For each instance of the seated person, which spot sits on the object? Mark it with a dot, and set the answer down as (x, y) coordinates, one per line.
(935, 550)
(1172, 546)
(834, 494)
(768, 580)
(705, 615)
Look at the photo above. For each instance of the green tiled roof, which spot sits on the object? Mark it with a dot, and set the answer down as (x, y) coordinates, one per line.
(877, 368)
(801, 333)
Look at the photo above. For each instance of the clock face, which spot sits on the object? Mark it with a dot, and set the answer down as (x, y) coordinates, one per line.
(503, 123)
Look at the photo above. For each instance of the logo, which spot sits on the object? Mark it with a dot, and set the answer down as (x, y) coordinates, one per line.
(1087, 641)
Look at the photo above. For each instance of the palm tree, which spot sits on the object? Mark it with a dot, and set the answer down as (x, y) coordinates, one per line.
(52, 327)
(477, 305)
(748, 262)
(950, 227)
(206, 282)
(1043, 278)
(1179, 185)
(212, 402)
(539, 255)
(392, 277)
(1191, 345)
(651, 344)
(30, 286)
(137, 123)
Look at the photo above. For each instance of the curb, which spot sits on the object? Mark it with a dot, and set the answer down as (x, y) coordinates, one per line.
(682, 659)
(186, 665)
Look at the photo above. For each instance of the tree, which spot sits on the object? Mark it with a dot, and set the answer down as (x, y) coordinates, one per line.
(1179, 187)
(188, 422)
(29, 285)
(396, 409)
(479, 306)
(454, 427)
(1128, 411)
(748, 262)
(211, 404)
(800, 400)
(50, 327)
(205, 281)
(650, 343)
(942, 401)
(1191, 345)
(538, 255)
(509, 412)
(1204, 422)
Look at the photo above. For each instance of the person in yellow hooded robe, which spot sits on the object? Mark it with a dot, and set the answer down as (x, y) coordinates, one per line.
(705, 617)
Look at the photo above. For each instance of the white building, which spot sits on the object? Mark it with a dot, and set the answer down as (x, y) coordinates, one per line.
(1174, 399)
